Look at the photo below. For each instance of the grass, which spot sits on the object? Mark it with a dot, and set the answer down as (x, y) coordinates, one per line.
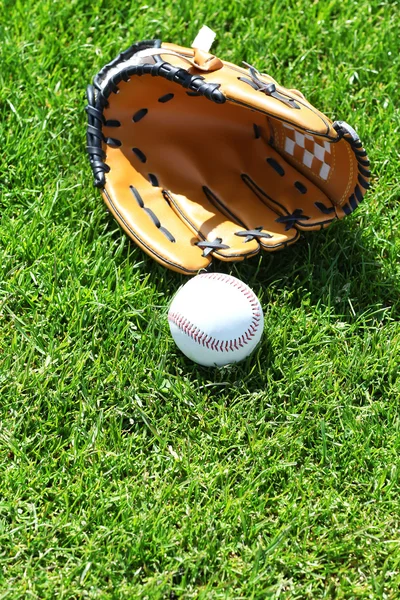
(126, 470)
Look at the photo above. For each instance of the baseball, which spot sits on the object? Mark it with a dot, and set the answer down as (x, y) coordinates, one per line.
(216, 319)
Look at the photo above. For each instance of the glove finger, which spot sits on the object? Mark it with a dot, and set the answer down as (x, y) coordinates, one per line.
(215, 223)
(296, 200)
(142, 211)
(249, 219)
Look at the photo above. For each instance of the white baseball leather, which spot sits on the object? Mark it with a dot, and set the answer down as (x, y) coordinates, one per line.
(216, 319)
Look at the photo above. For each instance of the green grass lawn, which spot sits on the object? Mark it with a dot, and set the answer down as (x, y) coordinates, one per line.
(126, 471)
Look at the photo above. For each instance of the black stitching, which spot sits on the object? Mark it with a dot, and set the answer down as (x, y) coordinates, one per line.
(167, 234)
(267, 88)
(364, 172)
(127, 54)
(137, 196)
(249, 81)
(96, 152)
(96, 133)
(257, 131)
(363, 183)
(113, 142)
(208, 247)
(360, 153)
(250, 234)
(166, 98)
(275, 165)
(139, 154)
(346, 209)
(268, 113)
(154, 218)
(151, 214)
(178, 75)
(153, 180)
(301, 187)
(291, 220)
(112, 123)
(326, 210)
(364, 163)
(94, 112)
(139, 115)
(358, 193)
(149, 249)
(353, 202)
(113, 86)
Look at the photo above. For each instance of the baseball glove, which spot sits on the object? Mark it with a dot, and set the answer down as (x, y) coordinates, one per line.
(198, 158)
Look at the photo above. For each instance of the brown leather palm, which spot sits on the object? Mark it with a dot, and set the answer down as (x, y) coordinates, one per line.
(199, 159)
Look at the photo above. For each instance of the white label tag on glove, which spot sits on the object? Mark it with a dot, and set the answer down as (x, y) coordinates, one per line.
(204, 39)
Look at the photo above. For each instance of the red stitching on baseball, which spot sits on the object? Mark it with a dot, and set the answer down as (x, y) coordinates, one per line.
(200, 337)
